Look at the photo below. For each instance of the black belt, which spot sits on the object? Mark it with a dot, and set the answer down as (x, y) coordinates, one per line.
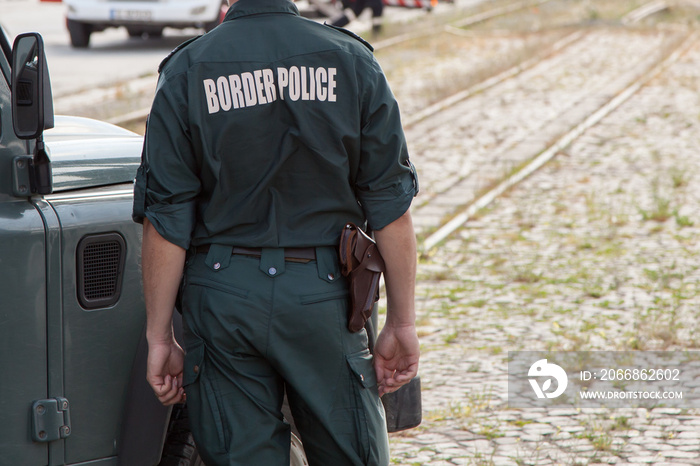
(290, 254)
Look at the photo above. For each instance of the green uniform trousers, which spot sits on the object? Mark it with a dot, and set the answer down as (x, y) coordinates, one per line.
(257, 327)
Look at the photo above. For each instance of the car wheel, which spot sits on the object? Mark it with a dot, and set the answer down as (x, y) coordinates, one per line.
(296, 453)
(79, 33)
(179, 448)
(135, 33)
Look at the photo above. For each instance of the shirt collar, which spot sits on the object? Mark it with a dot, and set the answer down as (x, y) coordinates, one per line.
(256, 7)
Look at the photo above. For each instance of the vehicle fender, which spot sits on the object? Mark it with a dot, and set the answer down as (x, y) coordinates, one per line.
(146, 421)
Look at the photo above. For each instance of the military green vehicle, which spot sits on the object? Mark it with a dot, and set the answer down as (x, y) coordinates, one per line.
(72, 388)
(72, 320)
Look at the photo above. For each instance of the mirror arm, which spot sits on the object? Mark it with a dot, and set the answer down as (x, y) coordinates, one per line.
(40, 172)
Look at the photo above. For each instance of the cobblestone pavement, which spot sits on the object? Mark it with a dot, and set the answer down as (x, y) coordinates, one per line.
(596, 251)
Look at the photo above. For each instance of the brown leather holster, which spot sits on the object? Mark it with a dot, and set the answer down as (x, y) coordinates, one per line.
(362, 264)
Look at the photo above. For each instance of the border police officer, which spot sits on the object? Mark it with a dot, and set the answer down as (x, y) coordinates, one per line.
(265, 137)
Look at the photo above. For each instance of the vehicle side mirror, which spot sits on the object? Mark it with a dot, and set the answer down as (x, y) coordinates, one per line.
(32, 103)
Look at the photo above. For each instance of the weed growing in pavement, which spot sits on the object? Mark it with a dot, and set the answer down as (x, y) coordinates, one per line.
(490, 432)
(450, 337)
(682, 220)
(621, 423)
(461, 411)
(679, 177)
(600, 440)
(660, 212)
(594, 288)
(659, 324)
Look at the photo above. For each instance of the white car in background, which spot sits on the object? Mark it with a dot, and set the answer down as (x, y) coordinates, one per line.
(139, 17)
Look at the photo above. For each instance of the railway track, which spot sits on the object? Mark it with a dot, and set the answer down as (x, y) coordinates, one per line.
(529, 123)
(549, 100)
(484, 199)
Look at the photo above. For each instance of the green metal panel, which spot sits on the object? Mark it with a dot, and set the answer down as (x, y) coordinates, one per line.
(54, 315)
(99, 345)
(23, 365)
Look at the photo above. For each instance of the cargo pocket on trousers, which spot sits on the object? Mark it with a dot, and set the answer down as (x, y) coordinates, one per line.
(203, 400)
(370, 418)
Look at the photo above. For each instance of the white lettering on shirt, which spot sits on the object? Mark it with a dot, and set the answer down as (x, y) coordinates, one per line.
(294, 83)
(259, 87)
(210, 93)
(251, 98)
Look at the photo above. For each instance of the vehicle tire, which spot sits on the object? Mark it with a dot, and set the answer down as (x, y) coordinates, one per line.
(79, 33)
(135, 33)
(179, 448)
(296, 453)
(155, 33)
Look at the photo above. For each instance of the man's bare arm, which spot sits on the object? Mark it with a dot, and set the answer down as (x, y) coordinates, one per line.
(397, 349)
(162, 265)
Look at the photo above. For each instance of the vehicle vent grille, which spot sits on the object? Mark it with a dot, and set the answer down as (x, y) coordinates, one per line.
(100, 269)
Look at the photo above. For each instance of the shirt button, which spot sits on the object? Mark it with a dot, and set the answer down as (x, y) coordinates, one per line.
(195, 369)
(331, 276)
(272, 271)
(217, 266)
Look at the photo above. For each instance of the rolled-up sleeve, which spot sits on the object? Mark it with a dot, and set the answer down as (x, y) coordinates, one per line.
(386, 181)
(167, 182)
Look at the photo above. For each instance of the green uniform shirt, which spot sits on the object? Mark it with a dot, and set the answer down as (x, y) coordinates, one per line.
(272, 131)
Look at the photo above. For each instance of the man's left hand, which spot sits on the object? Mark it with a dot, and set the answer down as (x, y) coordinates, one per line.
(396, 355)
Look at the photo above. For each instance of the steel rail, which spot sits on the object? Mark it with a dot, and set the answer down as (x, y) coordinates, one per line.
(644, 11)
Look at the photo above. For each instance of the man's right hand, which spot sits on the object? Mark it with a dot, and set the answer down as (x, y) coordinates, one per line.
(164, 371)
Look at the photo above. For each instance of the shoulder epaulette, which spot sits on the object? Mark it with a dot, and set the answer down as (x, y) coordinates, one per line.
(175, 50)
(353, 35)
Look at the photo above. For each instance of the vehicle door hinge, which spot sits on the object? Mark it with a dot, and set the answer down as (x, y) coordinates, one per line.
(21, 176)
(50, 419)
(32, 174)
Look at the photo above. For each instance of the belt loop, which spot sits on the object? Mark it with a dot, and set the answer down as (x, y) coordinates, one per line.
(272, 261)
(327, 263)
(218, 256)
